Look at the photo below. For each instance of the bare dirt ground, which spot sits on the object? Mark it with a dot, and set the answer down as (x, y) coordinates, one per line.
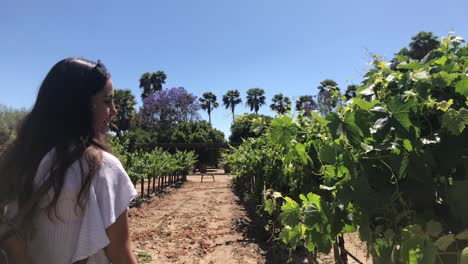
(203, 223)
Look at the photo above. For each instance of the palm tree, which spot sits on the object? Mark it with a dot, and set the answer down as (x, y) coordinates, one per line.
(124, 103)
(280, 104)
(208, 103)
(157, 80)
(145, 84)
(151, 82)
(421, 44)
(231, 99)
(255, 99)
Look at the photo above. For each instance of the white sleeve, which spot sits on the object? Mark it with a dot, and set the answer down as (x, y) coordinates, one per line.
(114, 190)
(110, 194)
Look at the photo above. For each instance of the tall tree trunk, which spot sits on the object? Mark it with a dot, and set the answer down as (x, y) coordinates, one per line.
(142, 185)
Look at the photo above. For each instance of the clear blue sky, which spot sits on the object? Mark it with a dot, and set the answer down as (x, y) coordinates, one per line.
(214, 45)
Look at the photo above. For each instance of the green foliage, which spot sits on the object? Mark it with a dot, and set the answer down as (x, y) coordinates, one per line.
(124, 103)
(151, 82)
(10, 119)
(184, 132)
(244, 126)
(194, 132)
(141, 164)
(392, 163)
(139, 138)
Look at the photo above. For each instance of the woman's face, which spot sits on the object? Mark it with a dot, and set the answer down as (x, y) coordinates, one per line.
(103, 109)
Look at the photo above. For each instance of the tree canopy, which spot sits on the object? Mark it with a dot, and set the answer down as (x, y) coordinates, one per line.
(168, 107)
(10, 119)
(248, 125)
(421, 44)
(255, 99)
(124, 103)
(151, 82)
(231, 99)
(306, 103)
(280, 103)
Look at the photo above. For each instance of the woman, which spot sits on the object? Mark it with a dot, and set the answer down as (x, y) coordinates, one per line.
(72, 192)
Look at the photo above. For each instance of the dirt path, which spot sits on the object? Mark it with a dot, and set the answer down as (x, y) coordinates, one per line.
(197, 223)
(194, 224)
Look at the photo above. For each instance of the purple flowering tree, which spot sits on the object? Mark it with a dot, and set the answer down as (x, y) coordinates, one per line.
(328, 96)
(306, 103)
(170, 107)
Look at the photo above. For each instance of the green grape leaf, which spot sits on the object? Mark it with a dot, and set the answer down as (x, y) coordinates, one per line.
(351, 131)
(349, 229)
(462, 86)
(400, 111)
(301, 152)
(433, 228)
(443, 79)
(315, 199)
(418, 249)
(283, 130)
(414, 65)
(319, 118)
(441, 61)
(309, 242)
(404, 166)
(365, 105)
(335, 125)
(464, 256)
(291, 236)
(328, 154)
(320, 240)
(444, 105)
(269, 206)
(407, 145)
(290, 212)
(444, 242)
(311, 216)
(362, 120)
(455, 121)
(462, 235)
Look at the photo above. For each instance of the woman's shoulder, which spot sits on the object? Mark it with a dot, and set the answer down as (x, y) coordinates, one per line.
(111, 165)
(110, 160)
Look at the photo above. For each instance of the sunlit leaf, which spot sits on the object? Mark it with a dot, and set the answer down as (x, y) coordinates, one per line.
(283, 130)
(464, 256)
(410, 66)
(444, 242)
(455, 121)
(290, 212)
(462, 86)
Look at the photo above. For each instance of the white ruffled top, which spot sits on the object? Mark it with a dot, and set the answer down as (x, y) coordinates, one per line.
(80, 234)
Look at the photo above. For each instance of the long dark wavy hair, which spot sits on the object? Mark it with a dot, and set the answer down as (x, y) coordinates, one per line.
(61, 120)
